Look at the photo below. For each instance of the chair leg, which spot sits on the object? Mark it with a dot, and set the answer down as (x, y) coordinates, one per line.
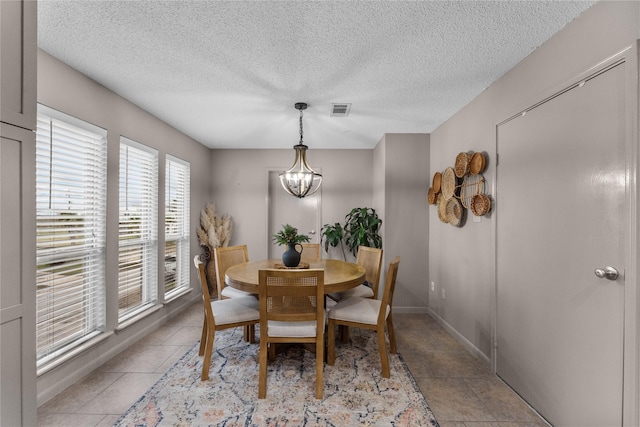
(392, 336)
(384, 357)
(344, 333)
(319, 366)
(203, 338)
(251, 329)
(331, 341)
(206, 363)
(262, 375)
(272, 352)
(250, 334)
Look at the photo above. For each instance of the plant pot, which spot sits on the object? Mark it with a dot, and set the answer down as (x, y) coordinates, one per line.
(291, 257)
(210, 272)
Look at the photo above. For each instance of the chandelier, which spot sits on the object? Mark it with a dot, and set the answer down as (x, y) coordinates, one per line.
(300, 180)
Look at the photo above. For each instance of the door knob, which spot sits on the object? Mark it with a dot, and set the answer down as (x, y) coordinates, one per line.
(312, 232)
(607, 273)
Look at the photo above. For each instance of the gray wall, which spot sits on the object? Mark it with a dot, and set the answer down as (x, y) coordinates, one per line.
(239, 188)
(402, 179)
(462, 259)
(64, 89)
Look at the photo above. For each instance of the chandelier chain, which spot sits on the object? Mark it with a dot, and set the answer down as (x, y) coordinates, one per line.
(300, 126)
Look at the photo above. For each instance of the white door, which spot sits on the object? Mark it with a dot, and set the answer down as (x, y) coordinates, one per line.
(562, 214)
(303, 214)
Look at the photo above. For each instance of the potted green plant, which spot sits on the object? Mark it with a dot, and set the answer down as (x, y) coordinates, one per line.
(333, 235)
(361, 228)
(290, 237)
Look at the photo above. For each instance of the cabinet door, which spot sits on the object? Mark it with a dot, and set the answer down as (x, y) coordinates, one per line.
(18, 59)
(17, 277)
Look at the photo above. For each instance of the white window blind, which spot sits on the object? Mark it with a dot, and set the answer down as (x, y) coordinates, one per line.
(176, 255)
(138, 229)
(70, 232)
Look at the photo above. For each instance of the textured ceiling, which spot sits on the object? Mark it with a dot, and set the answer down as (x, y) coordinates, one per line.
(227, 73)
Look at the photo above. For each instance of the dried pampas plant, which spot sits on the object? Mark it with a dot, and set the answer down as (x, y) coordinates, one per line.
(214, 231)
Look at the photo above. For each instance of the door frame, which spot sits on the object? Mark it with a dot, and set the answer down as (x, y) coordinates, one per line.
(631, 341)
(268, 171)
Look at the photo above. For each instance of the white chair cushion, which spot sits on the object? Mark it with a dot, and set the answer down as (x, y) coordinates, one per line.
(356, 309)
(249, 301)
(229, 292)
(235, 310)
(361, 291)
(329, 304)
(278, 328)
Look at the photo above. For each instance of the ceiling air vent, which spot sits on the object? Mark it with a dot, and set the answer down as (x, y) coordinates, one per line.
(340, 110)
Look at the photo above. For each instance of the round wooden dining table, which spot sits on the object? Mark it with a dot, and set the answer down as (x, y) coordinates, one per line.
(338, 275)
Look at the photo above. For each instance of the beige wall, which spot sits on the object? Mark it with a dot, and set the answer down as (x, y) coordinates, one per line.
(64, 89)
(462, 259)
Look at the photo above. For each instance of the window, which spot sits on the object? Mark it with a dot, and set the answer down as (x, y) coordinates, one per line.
(176, 226)
(70, 232)
(138, 229)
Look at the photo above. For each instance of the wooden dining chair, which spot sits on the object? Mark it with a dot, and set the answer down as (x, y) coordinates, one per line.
(310, 252)
(222, 314)
(226, 257)
(291, 311)
(367, 313)
(371, 260)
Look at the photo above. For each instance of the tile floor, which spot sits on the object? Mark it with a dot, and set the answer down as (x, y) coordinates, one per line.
(460, 390)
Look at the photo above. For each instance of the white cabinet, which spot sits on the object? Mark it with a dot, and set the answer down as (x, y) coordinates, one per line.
(18, 56)
(18, 387)
(17, 277)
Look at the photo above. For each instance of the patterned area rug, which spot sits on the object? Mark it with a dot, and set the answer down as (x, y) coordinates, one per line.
(354, 391)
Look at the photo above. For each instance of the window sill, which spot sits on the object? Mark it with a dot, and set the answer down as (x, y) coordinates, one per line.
(134, 319)
(41, 370)
(177, 295)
